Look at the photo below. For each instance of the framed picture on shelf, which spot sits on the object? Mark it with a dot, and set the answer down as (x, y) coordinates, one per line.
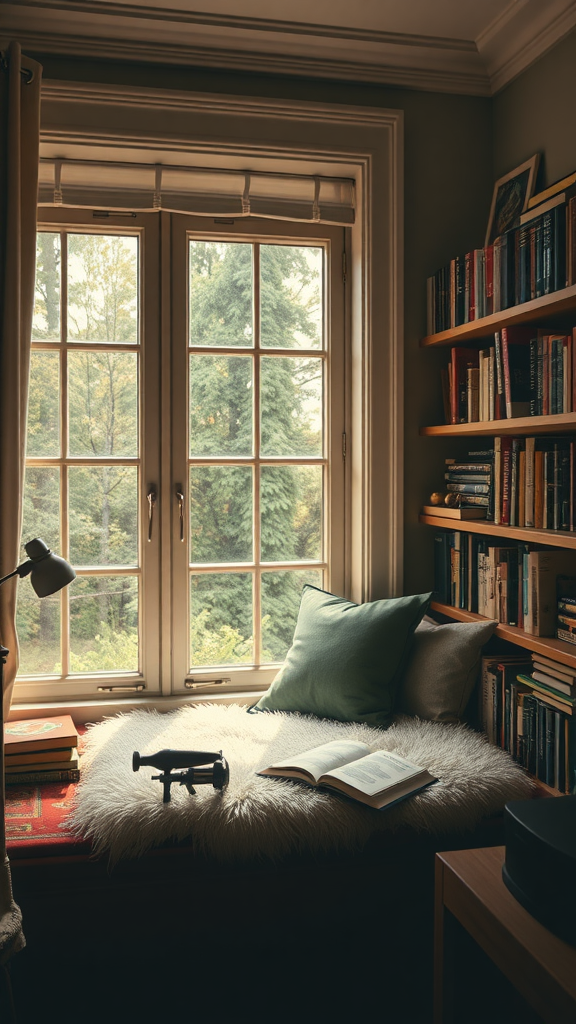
(510, 198)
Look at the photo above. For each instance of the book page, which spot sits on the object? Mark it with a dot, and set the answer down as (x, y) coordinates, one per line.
(376, 772)
(319, 760)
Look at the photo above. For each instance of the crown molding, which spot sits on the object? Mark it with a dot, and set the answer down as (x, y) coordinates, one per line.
(428, 80)
(125, 32)
(523, 34)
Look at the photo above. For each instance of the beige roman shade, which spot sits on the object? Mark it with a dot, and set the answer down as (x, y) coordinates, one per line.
(196, 190)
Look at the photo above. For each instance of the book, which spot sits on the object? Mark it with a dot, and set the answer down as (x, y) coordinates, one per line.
(42, 756)
(454, 513)
(39, 777)
(551, 681)
(37, 766)
(552, 190)
(461, 360)
(515, 342)
(378, 779)
(40, 734)
(544, 568)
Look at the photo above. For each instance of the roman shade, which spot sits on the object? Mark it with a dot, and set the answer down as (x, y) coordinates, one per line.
(195, 190)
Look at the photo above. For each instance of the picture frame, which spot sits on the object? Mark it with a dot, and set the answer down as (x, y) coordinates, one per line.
(510, 198)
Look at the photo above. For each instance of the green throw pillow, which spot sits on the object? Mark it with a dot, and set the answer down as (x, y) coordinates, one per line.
(346, 659)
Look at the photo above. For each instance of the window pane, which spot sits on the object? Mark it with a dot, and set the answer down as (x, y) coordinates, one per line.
(43, 430)
(221, 405)
(220, 293)
(291, 399)
(291, 513)
(291, 296)
(41, 507)
(46, 319)
(102, 288)
(103, 403)
(281, 593)
(220, 514)
(221, 627)
(103, 504)
(38, 627)
(104, 624)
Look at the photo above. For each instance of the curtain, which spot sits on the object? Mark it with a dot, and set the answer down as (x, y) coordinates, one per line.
(19, 150)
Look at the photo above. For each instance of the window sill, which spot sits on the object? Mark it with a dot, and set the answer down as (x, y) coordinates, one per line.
(84, 712)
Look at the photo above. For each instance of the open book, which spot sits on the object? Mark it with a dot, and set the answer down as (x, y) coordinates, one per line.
(378, 779)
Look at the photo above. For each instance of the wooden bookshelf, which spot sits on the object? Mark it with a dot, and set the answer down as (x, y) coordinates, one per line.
(546, 311)
(526, 534)
(545, 645)
(522, 426)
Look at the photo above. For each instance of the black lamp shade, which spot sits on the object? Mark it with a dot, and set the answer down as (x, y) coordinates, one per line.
(48, 572)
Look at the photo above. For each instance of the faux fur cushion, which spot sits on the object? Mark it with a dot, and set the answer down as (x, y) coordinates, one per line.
(123, 813)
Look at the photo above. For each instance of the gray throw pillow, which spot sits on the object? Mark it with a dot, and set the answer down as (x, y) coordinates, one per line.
(442, 669)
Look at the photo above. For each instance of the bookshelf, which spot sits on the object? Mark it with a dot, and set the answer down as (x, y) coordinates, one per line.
(558, 311)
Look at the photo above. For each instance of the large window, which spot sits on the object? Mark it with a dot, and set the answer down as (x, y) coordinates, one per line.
(185, 450)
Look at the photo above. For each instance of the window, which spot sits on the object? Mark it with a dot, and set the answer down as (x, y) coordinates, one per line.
(185, 449)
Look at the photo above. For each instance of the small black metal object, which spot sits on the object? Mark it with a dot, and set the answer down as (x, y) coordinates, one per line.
(203, 767)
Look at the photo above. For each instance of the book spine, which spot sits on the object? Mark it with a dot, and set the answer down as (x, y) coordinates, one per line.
(33, 778)
(489, 278)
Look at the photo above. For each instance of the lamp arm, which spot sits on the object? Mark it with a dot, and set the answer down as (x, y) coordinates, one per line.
(21, 570)
(9, 576)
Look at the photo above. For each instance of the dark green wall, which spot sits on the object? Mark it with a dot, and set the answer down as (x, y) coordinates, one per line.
(448, 184)
(536, 113)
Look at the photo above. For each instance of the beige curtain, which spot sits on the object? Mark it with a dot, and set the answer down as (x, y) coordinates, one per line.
(19, 152)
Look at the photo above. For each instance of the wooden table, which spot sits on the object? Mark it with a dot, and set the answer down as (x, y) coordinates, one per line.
(540, 966)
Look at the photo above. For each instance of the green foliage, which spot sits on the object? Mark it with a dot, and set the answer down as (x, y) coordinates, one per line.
(102, 411)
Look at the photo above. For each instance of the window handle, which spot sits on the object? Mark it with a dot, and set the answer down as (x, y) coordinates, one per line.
(151, 498)
(180, 500)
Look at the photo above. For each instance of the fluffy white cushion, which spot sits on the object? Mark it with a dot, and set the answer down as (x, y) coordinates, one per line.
(442, 669)
(123, 813)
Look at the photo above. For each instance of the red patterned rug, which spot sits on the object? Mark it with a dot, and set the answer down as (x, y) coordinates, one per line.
(35, 820)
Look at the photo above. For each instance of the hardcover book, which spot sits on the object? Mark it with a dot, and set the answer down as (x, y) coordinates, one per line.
(40, 734)
(378, 779)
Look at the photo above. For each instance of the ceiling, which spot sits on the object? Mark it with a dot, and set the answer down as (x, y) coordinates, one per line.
(465, 46)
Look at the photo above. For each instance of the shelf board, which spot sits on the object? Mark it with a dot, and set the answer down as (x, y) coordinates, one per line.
(546, 645)
(552, 538)
(521, 426)
(536, 311)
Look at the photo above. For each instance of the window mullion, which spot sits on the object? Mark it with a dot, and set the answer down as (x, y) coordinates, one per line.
(64, 528)
(257, 590)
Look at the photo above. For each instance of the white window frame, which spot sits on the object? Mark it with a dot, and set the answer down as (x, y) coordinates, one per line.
(364, 143)
(332, 239)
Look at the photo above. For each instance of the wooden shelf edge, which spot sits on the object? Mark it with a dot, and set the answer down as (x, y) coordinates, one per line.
(551, 538)
(563, 301)
(562, 423)
(546, 645)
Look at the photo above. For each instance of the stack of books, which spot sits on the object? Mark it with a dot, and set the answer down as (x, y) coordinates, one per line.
(534, 258)
(566, 608)
(528, 371)
(41, 750)
(528, 709)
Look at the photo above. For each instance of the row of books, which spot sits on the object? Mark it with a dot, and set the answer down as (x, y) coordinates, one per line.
(536, 257)
(515, 583)
(41, 750)
(532, 720)
(520, 481)
(528, 371)
(566, 609)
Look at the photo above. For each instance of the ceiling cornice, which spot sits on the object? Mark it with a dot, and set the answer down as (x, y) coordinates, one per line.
(155, 35)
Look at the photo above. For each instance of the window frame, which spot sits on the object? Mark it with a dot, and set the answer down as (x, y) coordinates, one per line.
(162, 455)
(365, 143)
(333, 240)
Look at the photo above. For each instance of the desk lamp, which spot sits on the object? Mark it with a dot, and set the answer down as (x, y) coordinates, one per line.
(48, 574)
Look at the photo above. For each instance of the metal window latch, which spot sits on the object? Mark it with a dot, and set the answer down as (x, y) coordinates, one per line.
(191, 684)
(180, 500)
(152, 498)
(137, 688)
